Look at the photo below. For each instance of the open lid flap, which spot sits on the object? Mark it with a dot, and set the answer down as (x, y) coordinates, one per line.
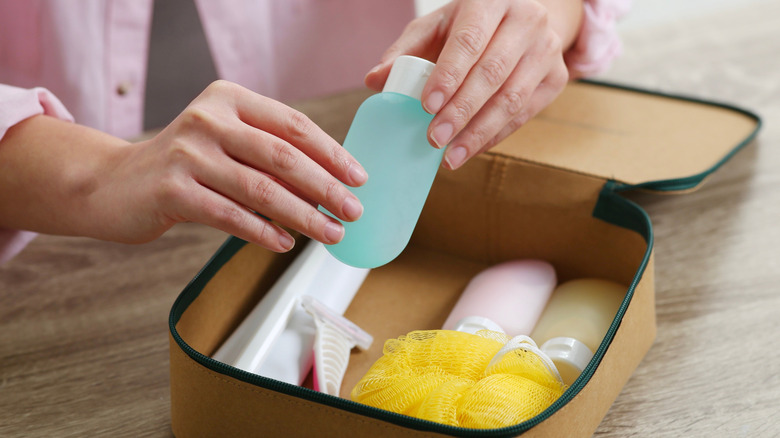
(661, 142)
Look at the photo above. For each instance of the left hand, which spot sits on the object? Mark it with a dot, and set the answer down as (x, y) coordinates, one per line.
(498, 64)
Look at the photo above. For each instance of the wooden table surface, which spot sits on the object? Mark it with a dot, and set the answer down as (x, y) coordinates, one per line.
(83, 323)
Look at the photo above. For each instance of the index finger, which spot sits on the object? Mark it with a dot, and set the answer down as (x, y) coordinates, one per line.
(471, 31)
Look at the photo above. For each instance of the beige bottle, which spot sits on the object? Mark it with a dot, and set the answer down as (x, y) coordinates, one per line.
(575, 321)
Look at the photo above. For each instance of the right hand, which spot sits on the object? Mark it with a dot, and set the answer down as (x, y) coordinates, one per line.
(230, 153)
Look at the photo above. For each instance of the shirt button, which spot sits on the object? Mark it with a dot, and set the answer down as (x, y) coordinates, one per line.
(123, 88)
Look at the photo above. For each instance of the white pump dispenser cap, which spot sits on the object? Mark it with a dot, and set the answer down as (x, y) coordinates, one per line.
(408, 76)
(569, 355)
(473, 324)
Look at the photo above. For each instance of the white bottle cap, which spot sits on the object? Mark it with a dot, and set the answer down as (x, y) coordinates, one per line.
(473, 324)
(408, 76)
(569, 355)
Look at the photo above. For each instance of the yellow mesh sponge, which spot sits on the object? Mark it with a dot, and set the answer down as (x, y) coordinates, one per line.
(476, 381)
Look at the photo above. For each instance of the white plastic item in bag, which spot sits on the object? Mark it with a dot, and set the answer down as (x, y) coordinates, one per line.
(277, 337)
(336, 337)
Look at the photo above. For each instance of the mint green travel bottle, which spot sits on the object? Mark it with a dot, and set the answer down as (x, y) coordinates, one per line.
(388, 137)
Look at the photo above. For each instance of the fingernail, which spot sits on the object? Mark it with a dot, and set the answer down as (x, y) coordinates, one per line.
(352, 209)
(333, 232)
(286, 241)
(375, 69)
(434, 102)
(441, 134)
(357, 174)
(455, 157)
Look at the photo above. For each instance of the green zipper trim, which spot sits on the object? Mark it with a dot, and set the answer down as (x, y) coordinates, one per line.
(688, 182)
(610, 207)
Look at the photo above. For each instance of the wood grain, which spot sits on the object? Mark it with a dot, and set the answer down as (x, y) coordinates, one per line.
(714, 370)
(83, 324)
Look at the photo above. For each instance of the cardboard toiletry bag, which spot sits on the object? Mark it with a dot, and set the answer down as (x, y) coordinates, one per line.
(550, 191)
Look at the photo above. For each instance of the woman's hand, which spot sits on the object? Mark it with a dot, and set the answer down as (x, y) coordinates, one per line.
(229, 154)
(232, 152)
(498, 63)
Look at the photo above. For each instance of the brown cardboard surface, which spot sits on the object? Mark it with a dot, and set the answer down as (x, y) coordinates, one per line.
(230, 296)
(631, 137)
(208, 404)
(496, 208)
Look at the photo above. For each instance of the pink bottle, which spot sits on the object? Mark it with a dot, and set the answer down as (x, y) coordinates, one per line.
(507, 297)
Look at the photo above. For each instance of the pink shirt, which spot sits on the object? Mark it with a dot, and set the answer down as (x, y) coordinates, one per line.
(598, 43)
(92, 54)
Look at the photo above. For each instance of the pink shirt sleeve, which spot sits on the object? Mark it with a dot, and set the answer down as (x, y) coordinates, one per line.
(598, 42)
(17, 104)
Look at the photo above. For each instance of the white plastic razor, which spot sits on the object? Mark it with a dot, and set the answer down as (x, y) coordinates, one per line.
(276, 339)
(336, 337)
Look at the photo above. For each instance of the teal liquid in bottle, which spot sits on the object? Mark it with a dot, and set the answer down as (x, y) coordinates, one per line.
(389, 138)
